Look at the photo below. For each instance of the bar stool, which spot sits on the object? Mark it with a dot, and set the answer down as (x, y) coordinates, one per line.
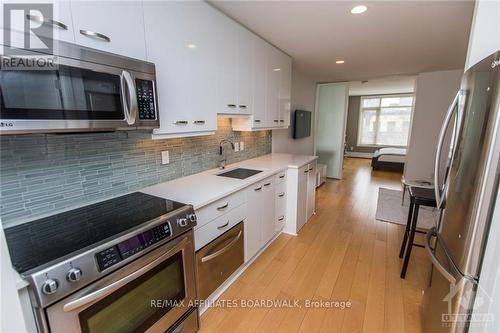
(419, 196)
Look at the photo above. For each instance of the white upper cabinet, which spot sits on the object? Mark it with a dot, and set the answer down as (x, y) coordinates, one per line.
(285, 89)
(246, 70)
(55, 22)
(227, 39)
(111, 26)
(181, 39)
(273, 87)
(259, 84)
(235, 67)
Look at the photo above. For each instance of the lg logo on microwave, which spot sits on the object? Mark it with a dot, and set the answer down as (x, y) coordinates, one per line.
(2, 124)
(26, 28)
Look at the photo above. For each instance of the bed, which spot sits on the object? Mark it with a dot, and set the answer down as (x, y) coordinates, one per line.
(390, 159)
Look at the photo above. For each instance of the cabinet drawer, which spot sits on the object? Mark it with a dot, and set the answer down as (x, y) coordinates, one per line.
(219, 259)
(280, 222)
(219, 207)
(281, 199)
(215, 228)
(280, 177)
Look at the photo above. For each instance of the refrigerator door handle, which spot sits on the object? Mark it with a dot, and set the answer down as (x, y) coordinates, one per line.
(442, 135)
(448, 276)
(435, 261)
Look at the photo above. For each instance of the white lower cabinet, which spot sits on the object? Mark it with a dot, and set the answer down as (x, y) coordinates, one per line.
(301, 192)
(280, 199)
(268, 211)
(311, 190)
(260, 227)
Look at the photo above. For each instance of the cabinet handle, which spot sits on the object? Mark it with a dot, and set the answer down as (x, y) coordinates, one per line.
(199, 122)
(223, 207)
(282, 194)
(311, 169)
(256, 121)
(223, 226)
(95, 35)
(281, 218)
(282, 121)
(306, 171)
(54, 23)
(258, 188)
(267, 184)
(276, 120)
(282, 176)
(231, 105)
(242, 106)
(180, 122)
(224, 249)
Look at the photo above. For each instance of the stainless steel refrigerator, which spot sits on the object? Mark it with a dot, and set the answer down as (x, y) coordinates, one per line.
(466, 181)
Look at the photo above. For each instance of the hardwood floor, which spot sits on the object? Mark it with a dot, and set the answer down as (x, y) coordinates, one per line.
(341, 254)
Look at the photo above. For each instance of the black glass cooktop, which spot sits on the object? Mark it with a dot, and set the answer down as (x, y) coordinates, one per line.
(239, 173)
(38, 242)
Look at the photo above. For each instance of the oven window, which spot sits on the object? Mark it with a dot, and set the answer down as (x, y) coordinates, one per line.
(130, 308)
(65, 93)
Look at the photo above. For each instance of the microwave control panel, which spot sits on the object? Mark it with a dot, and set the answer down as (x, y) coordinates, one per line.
(145, 99)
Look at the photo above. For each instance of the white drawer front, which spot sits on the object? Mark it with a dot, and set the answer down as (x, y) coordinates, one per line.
(212, 230)
(219, 208)
(281, 199)
(280, 177)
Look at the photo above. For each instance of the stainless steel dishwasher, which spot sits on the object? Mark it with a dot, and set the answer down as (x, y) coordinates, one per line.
(220, 258)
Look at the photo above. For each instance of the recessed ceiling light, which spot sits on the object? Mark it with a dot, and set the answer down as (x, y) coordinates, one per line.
(192, 46)
(359, 9)
(339, 62)
(277, 69)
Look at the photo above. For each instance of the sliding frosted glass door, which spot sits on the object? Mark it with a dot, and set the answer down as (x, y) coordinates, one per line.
(331, 104)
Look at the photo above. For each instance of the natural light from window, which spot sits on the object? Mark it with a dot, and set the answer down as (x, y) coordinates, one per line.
(385, 120)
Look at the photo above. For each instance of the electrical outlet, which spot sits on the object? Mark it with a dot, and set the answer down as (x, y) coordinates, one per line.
(242, 145)
(236, 146)
(165, 157)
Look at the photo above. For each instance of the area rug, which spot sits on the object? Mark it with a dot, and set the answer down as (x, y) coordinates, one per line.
(389, 209)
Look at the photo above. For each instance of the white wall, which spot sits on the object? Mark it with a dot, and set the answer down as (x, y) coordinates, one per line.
(303, 98)
(434, 92)
(485, 31)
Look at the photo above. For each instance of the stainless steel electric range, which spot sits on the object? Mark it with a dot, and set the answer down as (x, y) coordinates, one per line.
(121, 265)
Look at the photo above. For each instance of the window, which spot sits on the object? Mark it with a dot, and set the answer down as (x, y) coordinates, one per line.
(385, 120)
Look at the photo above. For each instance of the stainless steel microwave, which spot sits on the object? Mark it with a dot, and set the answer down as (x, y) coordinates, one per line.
(86, 90)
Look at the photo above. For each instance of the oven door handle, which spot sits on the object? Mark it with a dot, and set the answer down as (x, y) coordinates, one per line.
(224, 249)
(128, 88)
(103, 292)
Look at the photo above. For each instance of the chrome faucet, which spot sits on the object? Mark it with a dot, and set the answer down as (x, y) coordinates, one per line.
(223, 160)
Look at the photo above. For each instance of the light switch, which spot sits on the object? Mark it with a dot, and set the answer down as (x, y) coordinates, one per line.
(165, 157)
(242, 145)
(236, 146)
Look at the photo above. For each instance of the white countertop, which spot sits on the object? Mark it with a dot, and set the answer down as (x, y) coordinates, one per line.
(206, 187)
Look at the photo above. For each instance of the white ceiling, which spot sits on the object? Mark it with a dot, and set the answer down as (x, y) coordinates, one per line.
(388, 85)
(391, 38)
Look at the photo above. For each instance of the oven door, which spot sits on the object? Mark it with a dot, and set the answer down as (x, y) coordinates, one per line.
(148, 295)
(74, 95)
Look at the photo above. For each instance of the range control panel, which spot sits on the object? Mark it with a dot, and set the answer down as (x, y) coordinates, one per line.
(110, 256)
(145, 99)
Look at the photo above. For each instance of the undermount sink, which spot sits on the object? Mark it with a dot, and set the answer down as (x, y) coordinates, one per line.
(239, 173)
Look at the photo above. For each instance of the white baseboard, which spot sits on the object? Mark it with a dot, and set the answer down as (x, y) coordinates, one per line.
(358, 154)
